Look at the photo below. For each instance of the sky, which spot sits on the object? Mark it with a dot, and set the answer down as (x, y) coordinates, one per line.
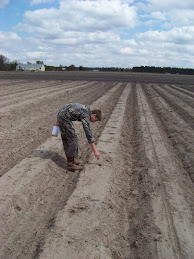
(98, 33)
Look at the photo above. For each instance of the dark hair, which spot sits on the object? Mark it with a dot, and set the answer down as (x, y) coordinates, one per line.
(98, 114)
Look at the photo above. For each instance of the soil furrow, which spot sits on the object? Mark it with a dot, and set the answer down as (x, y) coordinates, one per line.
(181, 107)
(135, 202)
(35, 99)
(183, 96)
(106, 108)
(188, 87)
(25, 87)
(162, 163)
(95, 192)
(30, 94)
(6, 83)
(182, 90)
(159, 203)
(180, 134)
(101, 76)
(36, 201)
(31, 130)
(143, 231)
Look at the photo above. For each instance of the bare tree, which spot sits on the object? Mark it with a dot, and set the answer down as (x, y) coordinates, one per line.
(39, 62)
(4, 61)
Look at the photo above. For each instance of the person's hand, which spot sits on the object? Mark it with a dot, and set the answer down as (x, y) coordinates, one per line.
(97, 155)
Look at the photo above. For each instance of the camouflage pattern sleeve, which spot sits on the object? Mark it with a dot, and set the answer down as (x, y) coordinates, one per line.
(87, 129)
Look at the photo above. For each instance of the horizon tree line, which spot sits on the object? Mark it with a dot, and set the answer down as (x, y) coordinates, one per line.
(6, 65)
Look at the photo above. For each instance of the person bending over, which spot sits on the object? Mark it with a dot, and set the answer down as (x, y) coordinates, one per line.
(76, 112)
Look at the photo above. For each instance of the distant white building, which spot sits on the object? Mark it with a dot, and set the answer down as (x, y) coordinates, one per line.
(30, 67)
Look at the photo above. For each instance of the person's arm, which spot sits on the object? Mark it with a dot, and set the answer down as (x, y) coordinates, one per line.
(87, 129)
(97, 155)
(86, 125)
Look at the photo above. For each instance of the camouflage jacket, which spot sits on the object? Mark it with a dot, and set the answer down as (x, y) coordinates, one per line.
(78, 112)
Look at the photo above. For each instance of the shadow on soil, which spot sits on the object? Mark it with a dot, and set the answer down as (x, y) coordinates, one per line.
(55, 157)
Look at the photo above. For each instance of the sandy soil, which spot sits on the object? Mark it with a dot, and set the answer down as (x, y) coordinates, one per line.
(135, 202)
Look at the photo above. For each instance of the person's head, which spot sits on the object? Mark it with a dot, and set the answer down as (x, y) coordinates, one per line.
(95, 116)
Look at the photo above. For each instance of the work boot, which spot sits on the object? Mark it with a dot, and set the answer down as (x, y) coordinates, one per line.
(70, 159)
(78, 162)
(73, 167)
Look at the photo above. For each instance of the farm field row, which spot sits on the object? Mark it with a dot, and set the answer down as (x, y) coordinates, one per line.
(13, 77)
(135, 202)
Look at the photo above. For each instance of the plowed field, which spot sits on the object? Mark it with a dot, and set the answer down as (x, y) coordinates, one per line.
(135, 202)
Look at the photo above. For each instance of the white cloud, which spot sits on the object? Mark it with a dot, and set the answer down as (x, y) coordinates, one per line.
(182, 35)
(158, 15)
(168, 48)
(74, 15)
(102, 33)
(9, 43)
(3, 3)
(173, 13)
(127, 50)
(170, 4)
(84, 29)
(37, 54)
(182, 17)
(8, 38)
